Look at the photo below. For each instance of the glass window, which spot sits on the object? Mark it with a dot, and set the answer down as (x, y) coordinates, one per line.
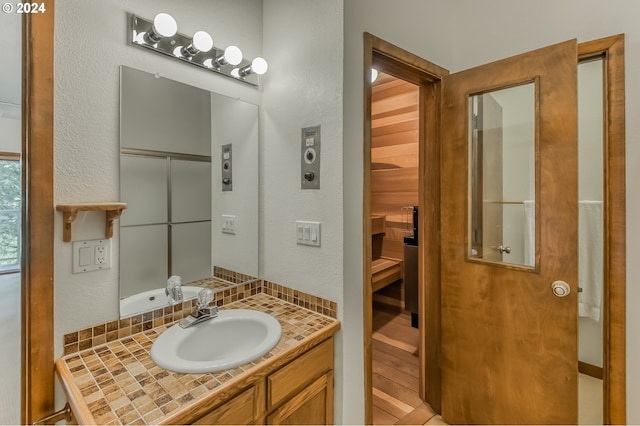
(502, 138)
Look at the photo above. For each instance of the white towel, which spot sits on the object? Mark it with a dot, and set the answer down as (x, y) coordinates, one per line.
(529, 233)
(590, 258)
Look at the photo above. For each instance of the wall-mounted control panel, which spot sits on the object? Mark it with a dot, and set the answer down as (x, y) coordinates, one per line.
(308, 233)
(92, 255)
(310, 163)
(227, 182)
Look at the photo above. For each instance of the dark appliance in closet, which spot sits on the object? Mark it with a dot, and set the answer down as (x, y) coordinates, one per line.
(411, 269)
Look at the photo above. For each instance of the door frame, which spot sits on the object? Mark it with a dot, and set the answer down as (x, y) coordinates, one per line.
(428, 76)
(611, 50)
(37, 371)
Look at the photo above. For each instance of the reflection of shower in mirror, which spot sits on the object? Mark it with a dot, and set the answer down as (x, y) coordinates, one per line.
(176, 201)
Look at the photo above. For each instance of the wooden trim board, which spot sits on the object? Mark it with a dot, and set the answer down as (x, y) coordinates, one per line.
(591, 370)
(38, 215)
(611, 49)
(12, 156)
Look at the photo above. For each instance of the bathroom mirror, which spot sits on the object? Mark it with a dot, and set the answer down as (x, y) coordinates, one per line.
(189, 175)
(502, 176)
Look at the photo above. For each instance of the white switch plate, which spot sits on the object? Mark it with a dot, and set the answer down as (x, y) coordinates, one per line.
(94, 255)
(228, 224)
(308, 233)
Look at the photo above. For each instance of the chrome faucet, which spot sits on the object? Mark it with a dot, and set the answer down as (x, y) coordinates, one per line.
(174, 289)
(203, 311)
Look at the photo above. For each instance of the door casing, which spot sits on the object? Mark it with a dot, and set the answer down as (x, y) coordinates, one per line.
(38, 395)
(611, 49)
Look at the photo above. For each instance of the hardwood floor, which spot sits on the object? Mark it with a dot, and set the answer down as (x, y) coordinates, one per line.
(395, 362)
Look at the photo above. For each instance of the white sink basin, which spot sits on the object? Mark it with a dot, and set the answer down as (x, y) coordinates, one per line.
(152, 299)
(233, 338)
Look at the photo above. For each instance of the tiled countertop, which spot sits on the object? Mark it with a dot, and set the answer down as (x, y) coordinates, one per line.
(118, 383)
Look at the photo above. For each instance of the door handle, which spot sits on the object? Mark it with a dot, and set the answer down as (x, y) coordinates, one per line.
(504, 249)
(560, 288)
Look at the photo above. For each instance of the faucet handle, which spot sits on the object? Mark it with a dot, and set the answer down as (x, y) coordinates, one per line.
(174, 281)
(205, 296)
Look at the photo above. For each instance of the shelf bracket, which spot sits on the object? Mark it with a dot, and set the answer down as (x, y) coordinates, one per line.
(70, 213)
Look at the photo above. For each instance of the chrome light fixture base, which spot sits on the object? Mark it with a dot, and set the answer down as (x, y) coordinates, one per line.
(171, 47)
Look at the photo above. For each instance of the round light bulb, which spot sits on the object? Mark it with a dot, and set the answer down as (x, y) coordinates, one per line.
(259, 66)
(374, 74)
(165, 25)
(202, 41)
(233, 55)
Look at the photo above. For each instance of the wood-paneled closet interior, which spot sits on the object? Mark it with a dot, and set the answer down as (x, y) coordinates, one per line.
(394, 192)
(394, 173)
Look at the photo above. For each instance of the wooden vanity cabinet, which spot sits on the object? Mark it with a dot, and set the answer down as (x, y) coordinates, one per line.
(300, 392)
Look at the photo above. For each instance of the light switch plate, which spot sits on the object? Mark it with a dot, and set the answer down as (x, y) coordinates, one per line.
(308, 233)
(94, 255)
(228, 224)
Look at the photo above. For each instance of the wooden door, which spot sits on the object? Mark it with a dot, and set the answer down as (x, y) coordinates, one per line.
(509, 345)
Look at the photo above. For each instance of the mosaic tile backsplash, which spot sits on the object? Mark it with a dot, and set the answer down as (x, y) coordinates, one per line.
(231, 276)
(118, 329)
(121, 384)
(305, 300)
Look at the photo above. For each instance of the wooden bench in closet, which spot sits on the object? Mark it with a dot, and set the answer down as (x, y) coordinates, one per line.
(384, 270)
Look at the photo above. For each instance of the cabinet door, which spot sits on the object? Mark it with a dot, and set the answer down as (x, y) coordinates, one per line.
(299, 373)
(313, 405)
(238, 411)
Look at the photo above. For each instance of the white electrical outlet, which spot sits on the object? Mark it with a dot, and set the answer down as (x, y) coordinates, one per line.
(94, 255)
(101, 255)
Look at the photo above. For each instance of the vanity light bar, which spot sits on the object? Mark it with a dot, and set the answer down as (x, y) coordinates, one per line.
(197, 50)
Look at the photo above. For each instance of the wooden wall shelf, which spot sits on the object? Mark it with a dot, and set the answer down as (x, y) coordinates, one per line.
(70, 212)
